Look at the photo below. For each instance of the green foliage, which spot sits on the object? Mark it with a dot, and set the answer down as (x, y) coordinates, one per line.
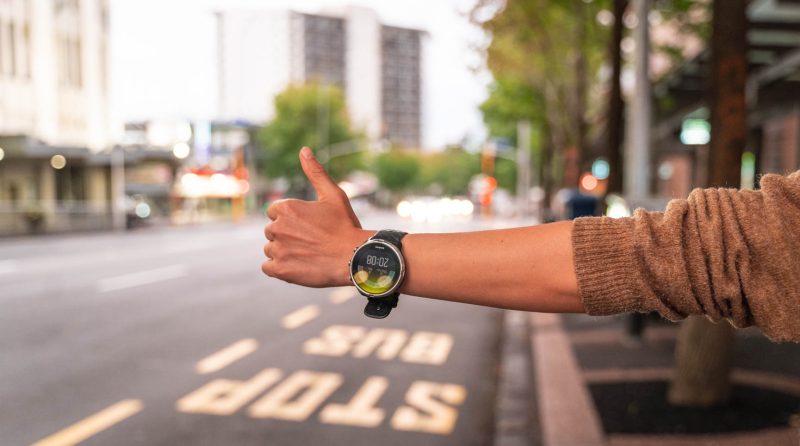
(690, 18)
(511, 100)
(448, 172)
(505, 171)
(545, 56)
(397, 170)
(300, 110)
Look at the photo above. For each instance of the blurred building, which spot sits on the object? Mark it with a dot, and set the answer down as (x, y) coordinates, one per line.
(401, 85)
(188, 171)
(378, 67)
(53, 115)
(681, 131)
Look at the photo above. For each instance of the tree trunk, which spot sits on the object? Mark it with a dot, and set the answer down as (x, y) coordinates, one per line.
(581, 80)
(703, 353)
(615, 107)
(703, 364)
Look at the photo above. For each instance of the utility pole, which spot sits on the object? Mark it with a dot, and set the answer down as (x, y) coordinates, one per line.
(637, 150)
(117, 197)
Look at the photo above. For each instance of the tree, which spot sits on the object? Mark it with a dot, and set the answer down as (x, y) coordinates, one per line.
(556, 48)
(299, 112)
(448, 172)
(616, 105)
(397, 169)
(703, 354)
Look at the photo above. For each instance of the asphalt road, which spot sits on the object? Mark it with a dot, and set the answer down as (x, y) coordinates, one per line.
(172, 336)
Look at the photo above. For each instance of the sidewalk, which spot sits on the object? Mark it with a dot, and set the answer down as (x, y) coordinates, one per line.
(594, 386)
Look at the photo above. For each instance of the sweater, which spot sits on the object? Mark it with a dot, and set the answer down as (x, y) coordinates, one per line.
(723, 253)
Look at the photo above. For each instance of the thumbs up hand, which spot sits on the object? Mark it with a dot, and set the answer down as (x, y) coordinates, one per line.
(310, 242)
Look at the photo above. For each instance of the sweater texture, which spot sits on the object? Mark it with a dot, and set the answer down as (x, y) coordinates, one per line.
(723, 253)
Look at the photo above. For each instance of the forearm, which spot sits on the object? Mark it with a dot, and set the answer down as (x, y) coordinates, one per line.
(528, 268)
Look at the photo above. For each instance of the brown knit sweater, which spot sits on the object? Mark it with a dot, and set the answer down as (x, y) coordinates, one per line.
(722, 252)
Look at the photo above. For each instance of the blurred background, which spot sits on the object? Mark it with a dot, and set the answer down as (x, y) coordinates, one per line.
(141, 142)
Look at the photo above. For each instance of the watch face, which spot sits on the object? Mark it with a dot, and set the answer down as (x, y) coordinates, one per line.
(376, 268)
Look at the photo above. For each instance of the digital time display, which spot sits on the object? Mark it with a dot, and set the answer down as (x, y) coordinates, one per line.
(375, 268)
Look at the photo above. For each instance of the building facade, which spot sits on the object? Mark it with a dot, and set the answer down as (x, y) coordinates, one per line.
(53, 114)
(377, 67)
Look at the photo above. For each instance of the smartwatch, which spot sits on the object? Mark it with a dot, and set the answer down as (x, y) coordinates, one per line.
(377, 269)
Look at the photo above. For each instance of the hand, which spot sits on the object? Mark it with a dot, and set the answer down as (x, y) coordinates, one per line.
(310, 242)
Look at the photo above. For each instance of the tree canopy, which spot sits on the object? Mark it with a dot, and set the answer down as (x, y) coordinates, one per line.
(310, 115)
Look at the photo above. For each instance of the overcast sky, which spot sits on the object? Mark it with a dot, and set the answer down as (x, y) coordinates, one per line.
(163, 56)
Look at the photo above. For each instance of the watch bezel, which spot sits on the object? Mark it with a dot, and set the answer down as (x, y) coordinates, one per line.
(400, 278)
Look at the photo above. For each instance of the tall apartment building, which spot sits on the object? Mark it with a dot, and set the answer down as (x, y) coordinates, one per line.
(401, 51)
(378, 67)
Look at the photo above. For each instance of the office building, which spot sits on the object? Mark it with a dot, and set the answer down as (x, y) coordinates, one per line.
(377, 67)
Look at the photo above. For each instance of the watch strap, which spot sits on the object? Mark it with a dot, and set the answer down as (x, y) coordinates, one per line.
(380, 307)
(391, 236)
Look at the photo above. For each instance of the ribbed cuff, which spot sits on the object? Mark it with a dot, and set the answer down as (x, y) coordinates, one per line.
(605, 265)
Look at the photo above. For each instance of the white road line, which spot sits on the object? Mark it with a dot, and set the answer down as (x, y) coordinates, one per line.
(300, 317)
(8, 266)
(226, 356)
(342, 295)
(90, 426)
(141, 278)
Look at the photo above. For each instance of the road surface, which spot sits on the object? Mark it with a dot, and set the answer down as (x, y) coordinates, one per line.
(172, 336)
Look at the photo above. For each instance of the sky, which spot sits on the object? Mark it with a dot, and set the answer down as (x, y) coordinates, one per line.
(163, 56)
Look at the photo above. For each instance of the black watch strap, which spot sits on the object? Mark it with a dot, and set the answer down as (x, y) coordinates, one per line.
(391, 236)
(380, 307)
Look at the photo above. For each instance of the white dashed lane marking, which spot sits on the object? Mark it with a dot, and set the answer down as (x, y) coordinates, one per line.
(299, 317)
(142, 278)
(342, 295)
(226, 356)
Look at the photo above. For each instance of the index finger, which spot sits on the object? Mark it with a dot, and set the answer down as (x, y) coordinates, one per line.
(274, 209)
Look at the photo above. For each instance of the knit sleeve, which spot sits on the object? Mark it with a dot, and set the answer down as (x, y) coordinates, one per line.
(721, 252)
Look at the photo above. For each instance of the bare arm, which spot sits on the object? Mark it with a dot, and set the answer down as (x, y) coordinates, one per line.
(524, 268)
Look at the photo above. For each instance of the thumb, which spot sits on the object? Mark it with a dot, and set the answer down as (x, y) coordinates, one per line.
(316, 174)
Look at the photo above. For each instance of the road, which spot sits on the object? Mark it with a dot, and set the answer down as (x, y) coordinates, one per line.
(172, 336)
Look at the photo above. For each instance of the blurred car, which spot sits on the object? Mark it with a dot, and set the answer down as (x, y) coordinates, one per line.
(137, 211)
(432, 209)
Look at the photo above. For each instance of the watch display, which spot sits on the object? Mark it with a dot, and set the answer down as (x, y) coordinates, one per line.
(376, 268)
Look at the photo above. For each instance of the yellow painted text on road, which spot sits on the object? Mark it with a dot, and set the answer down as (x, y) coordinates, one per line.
(422, 347)
(225, 396)
(297, 397)
(299, 317)
(361, 410)
(90, 426)
(226, 356)
(429, 408)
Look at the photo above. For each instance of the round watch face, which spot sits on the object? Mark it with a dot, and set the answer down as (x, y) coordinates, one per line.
(376, 268)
